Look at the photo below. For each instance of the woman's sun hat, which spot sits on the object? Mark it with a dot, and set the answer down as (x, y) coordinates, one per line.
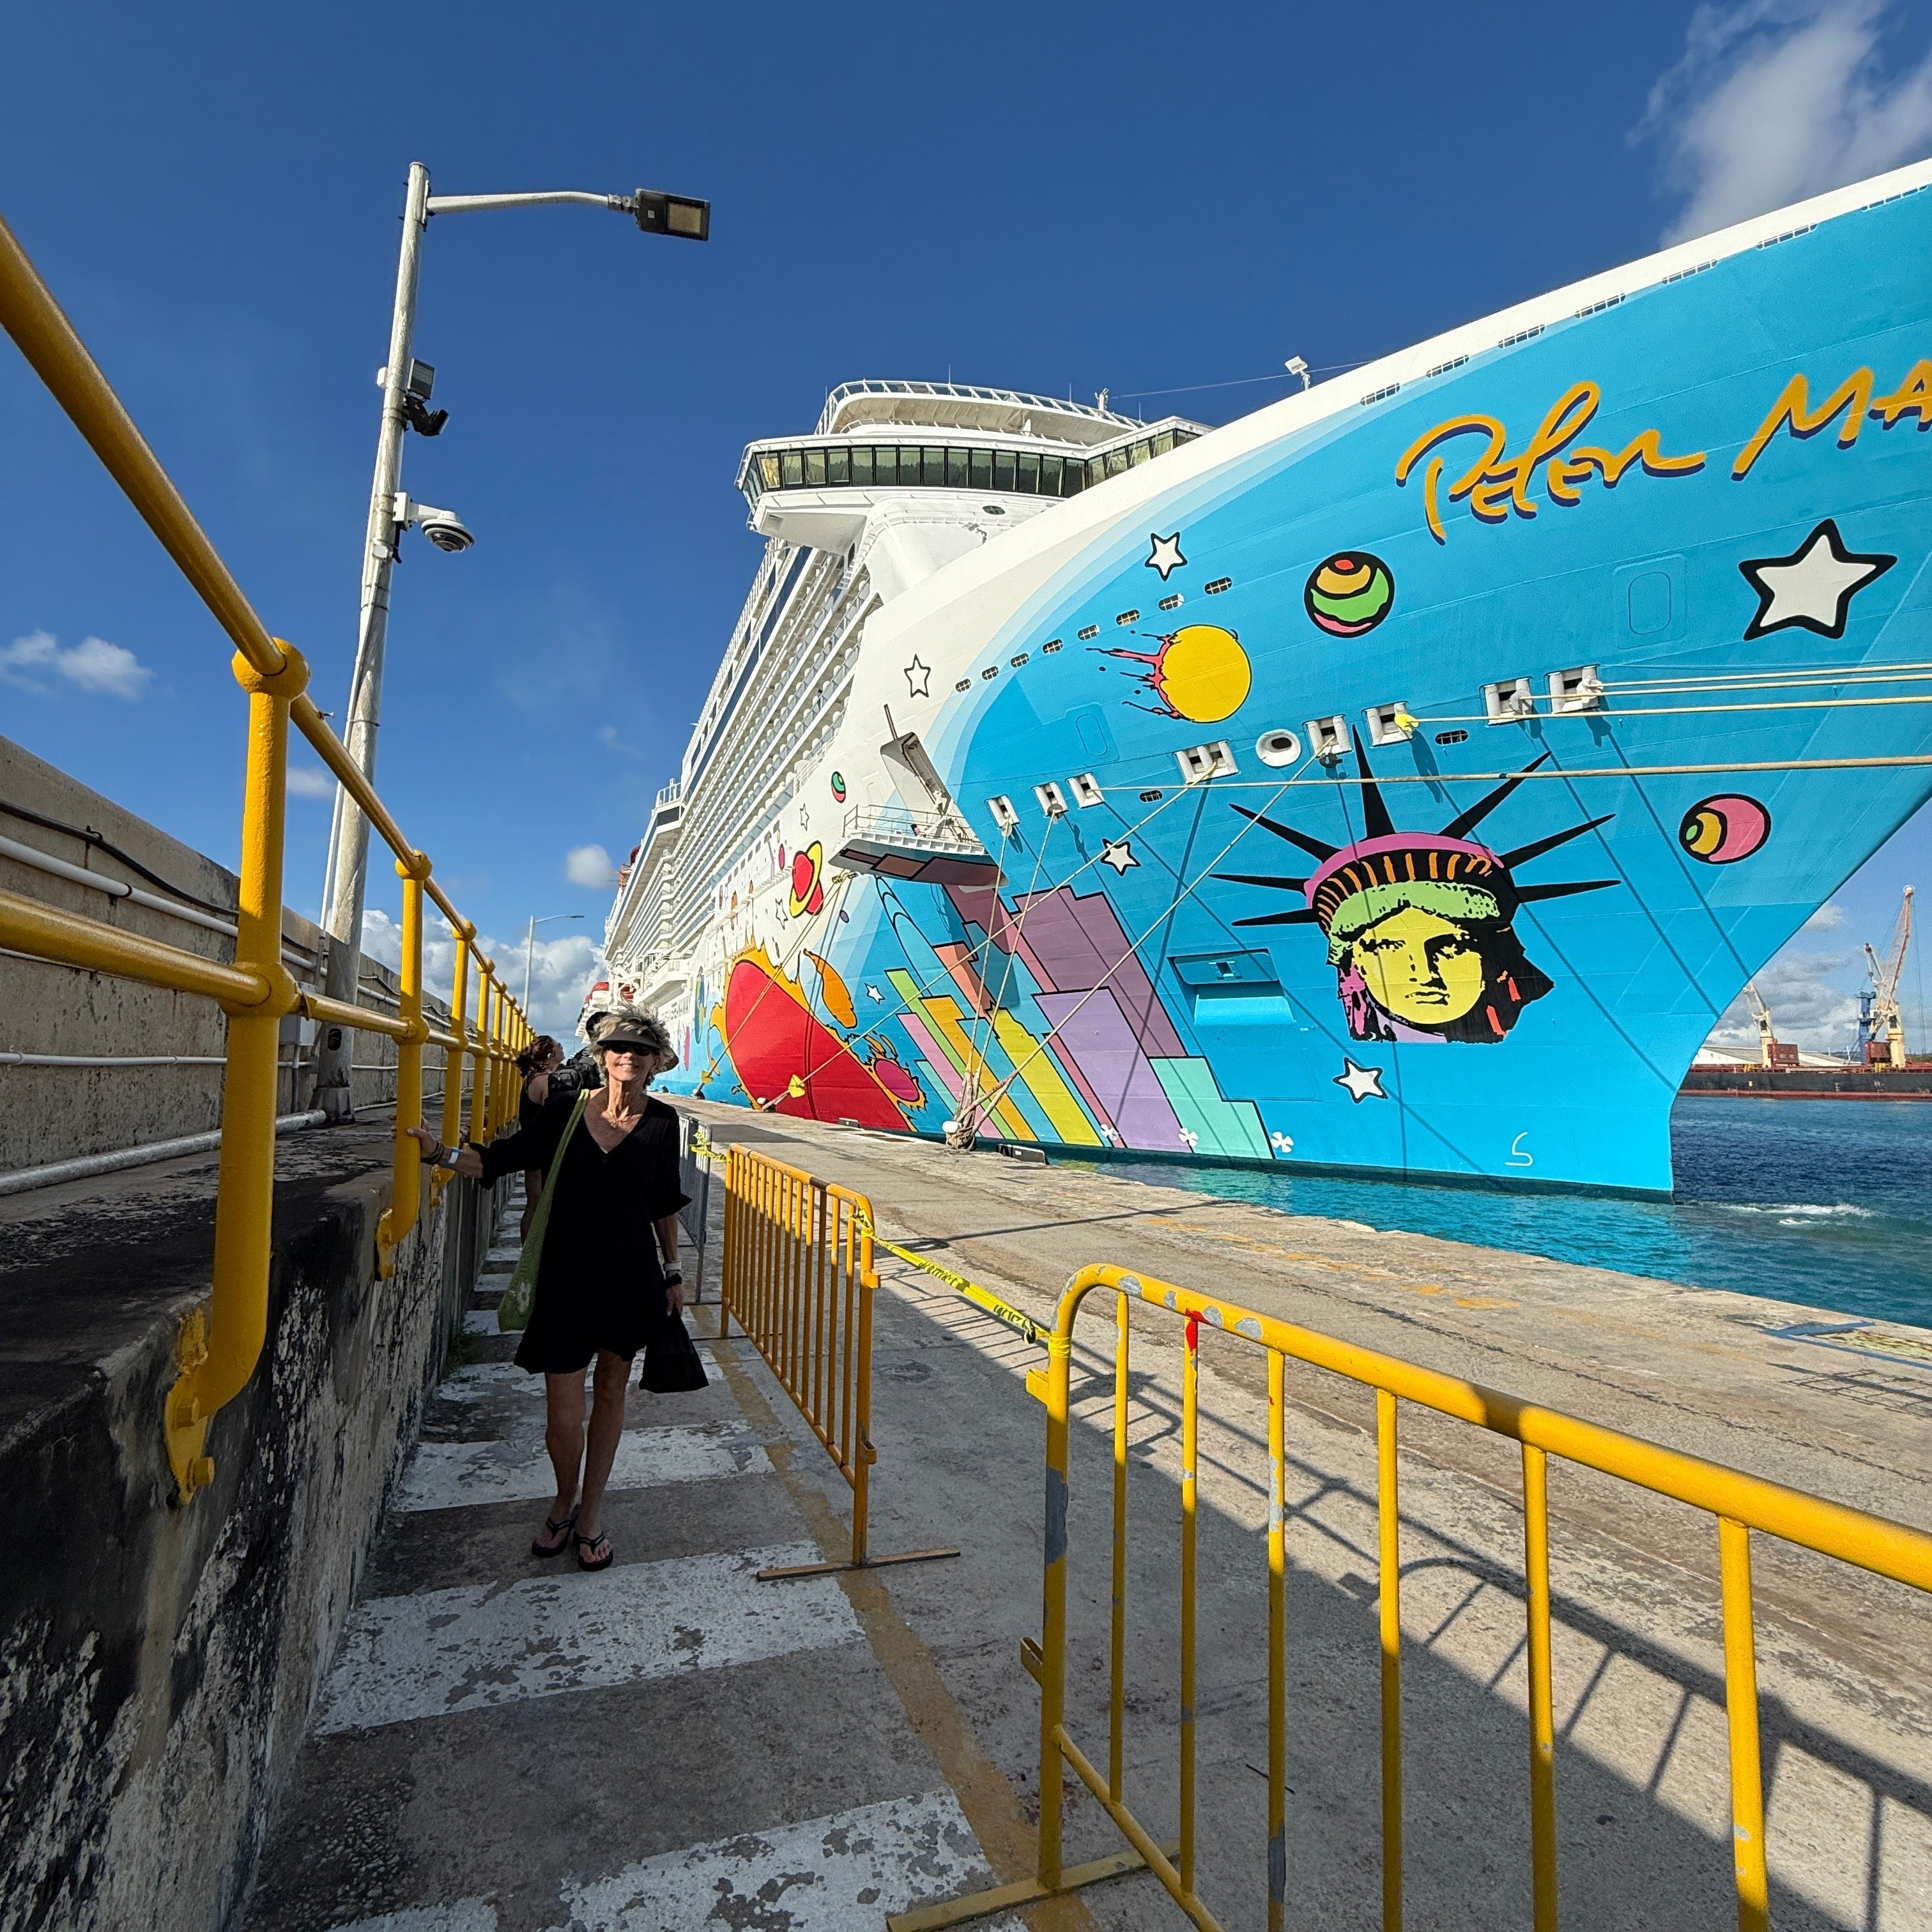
(631, 1026)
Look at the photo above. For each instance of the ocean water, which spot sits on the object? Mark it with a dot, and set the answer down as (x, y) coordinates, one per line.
(1827, 1202)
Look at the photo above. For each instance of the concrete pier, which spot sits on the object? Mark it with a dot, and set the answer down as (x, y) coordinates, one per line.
(508, 1746)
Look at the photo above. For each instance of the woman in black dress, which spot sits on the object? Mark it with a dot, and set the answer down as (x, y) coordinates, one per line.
(608, 1276)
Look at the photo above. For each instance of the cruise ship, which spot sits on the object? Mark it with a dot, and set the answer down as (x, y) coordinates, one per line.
(1401, 778)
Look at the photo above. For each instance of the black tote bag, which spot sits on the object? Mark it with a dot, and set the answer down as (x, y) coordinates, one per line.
(672, 1366)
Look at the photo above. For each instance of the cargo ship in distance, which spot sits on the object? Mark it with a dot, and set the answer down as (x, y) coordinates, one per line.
(1400, 779)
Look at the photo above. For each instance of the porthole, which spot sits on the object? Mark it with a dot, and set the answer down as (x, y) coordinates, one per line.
(1088, 630)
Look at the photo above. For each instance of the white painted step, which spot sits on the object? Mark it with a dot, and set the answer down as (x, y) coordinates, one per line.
(480, 1645)
(447, 1475)
(845, 1873)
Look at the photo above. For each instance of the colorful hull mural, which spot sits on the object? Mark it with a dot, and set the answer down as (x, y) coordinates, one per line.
(1404, 784)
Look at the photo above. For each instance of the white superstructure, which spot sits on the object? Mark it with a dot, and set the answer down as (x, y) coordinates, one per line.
(896, 480)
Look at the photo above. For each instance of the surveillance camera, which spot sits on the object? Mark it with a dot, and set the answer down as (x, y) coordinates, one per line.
(444, 528)
(447, 532)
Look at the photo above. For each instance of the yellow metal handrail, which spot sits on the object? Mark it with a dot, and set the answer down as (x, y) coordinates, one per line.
(219, 1347)
(1741, 1503)
(799, 1278)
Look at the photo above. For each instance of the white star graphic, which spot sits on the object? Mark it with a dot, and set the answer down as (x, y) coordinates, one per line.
(1812, 588)
(873, 993)
(1165, 555)
(804, 819)
(1361, 1081)
(1119, 853)
(917, 677)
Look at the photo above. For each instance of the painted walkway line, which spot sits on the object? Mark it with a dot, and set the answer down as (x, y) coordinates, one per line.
(481, 1645)
(447, 1475)
(841, 1874)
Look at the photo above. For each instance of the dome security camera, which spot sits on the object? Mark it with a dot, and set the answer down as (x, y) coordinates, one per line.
(443, 528)
(446, 530)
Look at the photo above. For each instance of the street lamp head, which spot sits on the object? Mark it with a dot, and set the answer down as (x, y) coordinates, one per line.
(680, 214)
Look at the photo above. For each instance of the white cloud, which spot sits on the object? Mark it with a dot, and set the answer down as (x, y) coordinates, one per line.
(1775, 100)
(589, 866)
(93, 664)
(1806, 1009)
(562, 971)
(1826, 919)
(311, 782)
(383, 940)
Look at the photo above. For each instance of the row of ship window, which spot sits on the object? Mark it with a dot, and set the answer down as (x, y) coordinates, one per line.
(903, 466)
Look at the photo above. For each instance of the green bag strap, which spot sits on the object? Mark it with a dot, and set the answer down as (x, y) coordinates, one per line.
(525, 1273)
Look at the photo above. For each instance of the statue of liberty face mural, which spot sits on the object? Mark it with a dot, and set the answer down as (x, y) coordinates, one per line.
(1420, 926)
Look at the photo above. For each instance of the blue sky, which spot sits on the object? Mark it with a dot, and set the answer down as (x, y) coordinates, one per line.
(1140, 197)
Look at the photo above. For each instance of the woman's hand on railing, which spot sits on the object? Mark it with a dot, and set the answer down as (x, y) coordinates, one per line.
(469, 1162)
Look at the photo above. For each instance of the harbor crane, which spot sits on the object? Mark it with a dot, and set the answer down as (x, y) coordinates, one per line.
(1772, 1051)
(1881, 1025)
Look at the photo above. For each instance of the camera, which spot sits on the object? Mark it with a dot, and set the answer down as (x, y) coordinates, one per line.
(446, 530)
(443, 528)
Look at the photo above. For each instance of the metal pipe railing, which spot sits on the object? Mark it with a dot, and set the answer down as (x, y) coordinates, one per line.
(220, 1345)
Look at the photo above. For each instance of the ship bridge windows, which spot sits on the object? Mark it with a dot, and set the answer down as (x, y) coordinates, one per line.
(1024, 473)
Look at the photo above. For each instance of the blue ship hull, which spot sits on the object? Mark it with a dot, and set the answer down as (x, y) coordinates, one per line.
(1434, 771)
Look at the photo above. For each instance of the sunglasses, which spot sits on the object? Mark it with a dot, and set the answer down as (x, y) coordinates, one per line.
(627, 1052)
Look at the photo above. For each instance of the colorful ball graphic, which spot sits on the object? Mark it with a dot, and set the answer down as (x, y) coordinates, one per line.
(1352, 592)
(1720, 831)
(808, 889)
(839, 786)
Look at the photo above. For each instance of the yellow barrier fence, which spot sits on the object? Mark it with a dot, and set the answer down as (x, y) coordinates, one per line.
(798, 1279)
(1740, 1503)
(219, 1346)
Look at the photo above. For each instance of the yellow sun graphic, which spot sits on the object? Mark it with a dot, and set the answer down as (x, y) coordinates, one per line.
(1200, 672)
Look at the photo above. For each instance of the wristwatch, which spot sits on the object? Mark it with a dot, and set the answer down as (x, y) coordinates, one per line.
(673, 1274)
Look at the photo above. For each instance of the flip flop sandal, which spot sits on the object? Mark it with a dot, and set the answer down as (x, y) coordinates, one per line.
(603, 1562)
(565, 1532)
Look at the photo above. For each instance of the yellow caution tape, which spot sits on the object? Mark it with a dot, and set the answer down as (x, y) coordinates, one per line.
(983, 1298)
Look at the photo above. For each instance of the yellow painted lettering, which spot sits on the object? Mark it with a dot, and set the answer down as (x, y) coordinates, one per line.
(1486, 426)
(1567, 417)
(1497, 484)
(1792, 410)
(1912, 397)
(1560, 476)
(1642, 448)
(1489, 499)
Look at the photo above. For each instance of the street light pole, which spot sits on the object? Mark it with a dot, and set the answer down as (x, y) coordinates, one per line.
(345, 880)
(529, 947)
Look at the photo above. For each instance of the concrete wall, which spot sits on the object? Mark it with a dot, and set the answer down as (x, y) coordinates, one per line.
(156, 1661)
(54, 1113)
